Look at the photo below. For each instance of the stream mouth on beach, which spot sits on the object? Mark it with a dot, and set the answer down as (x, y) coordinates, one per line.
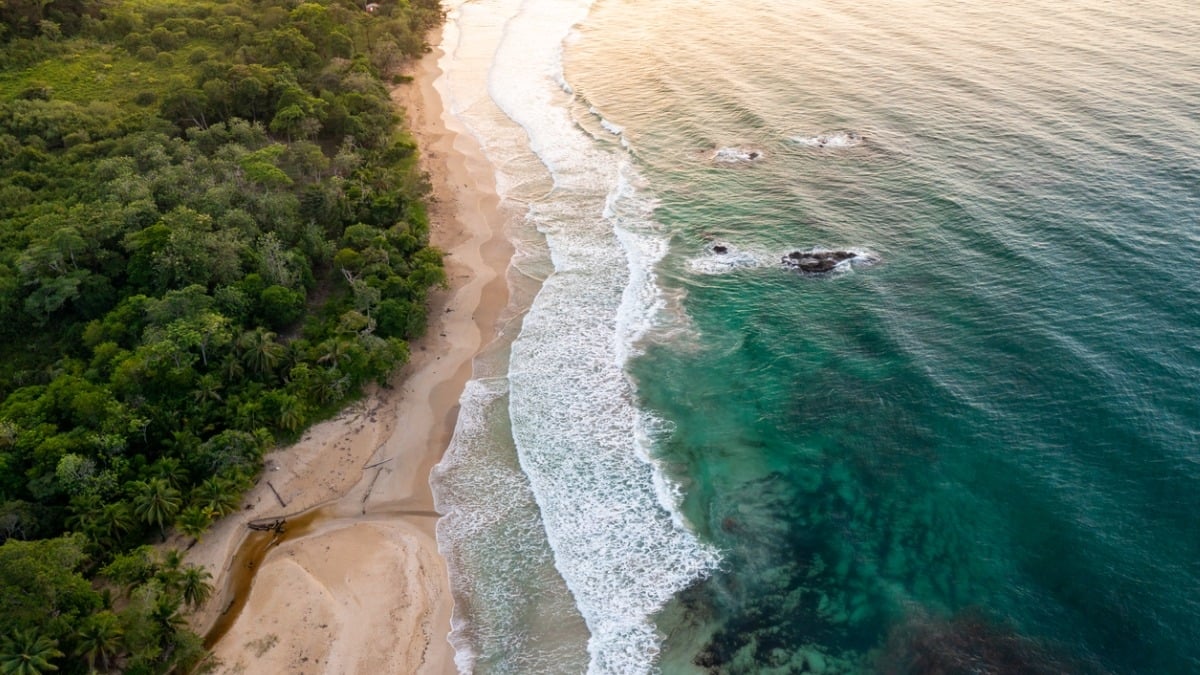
(245, 563)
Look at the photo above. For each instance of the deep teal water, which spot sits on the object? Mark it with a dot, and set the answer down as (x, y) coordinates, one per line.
(986, 444)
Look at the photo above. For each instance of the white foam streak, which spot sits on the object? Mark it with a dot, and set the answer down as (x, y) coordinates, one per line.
(512, 611)
(732, 259)
(580, 438)
(642, 300)
(609, 126)
(733, 155)
(833, 140)
(614, 129)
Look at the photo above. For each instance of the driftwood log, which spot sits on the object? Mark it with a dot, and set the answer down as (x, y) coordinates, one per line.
(275, 525)
(276, 493)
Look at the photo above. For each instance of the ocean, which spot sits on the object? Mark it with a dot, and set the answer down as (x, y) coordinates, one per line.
(972, 445)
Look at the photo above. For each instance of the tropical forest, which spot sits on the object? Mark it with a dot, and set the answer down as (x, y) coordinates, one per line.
(211, 235)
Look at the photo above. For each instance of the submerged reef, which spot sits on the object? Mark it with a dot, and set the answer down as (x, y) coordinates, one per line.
(968, 643)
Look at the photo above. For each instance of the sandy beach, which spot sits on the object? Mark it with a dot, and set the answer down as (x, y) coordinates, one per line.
(358, 585)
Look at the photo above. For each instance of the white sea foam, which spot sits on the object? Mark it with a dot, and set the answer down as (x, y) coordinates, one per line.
(723, 258)
(492, 539)
(735, 155)
(614, 129)
(609, 126)
(833, 140)
(641, 301)
(463, 87)
(513, 613)
(581, 440)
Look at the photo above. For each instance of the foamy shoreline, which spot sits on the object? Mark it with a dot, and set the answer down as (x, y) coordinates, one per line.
(365, 590)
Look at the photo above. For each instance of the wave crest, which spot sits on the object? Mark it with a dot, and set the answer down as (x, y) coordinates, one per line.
(832, 140)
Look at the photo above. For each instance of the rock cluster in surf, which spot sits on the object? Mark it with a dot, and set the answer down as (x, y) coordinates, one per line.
(725, 257)
(818, 261)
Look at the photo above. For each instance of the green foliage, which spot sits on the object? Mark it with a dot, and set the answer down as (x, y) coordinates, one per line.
(194, 585)
(27, 653)
(194, 521)
(99, 640)
(41, 586)
(211, 234)
(281, 305)
(50, 19)
(156, 502)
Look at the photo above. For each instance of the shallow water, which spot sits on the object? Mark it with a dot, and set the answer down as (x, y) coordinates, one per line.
(986, 441)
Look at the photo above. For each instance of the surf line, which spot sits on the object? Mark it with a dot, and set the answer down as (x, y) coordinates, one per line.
(581, 440)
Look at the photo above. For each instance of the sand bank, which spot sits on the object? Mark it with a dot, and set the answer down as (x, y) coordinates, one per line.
(362, 588)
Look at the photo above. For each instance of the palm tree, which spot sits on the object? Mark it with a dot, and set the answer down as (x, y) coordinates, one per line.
(27, 653)
(295, 353)
(165, 615)
(171, 470)
(249, 416)
(208, 389)
(172, 563)
(291, 413)
(195, 586)
(83, 510)
(169, 572)
(194, 521)
(260, 351)
(232, 369)
(99, 640)
(183, 442)
(218, 495)
(334, 351)
(156, 502)
(331, 385)
(114, 522)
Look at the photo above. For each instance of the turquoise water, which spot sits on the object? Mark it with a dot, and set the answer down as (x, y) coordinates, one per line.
(989, 442)
(980, 454)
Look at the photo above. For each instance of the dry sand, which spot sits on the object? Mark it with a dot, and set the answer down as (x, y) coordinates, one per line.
(363, 589)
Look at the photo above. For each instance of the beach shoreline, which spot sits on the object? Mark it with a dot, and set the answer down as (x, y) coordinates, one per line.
(362, 588)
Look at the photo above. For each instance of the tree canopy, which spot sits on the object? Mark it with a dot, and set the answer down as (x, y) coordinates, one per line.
(211, 235)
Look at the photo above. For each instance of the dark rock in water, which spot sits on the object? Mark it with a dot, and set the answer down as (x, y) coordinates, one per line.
(720, 249)
(816, 262)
